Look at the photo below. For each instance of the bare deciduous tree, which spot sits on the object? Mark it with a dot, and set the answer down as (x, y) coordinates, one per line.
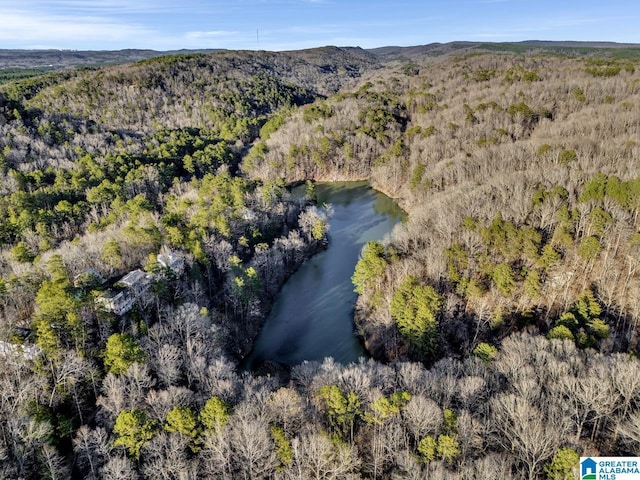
(91, 449)
(523, 430)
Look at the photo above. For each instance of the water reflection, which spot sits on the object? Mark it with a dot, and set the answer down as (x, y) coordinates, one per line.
(312, 317)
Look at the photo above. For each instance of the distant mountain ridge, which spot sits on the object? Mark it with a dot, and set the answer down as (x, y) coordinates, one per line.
(569, 43)
(61, 59)
(434, 49)
(65, 59)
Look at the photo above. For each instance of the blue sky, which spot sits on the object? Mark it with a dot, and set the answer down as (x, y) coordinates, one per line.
(296, 24)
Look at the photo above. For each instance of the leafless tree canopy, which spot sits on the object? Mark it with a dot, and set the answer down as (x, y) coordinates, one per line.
(502, 316)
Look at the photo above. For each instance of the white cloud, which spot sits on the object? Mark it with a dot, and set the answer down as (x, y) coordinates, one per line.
(98, 7)
(29, 28)
(101, 24)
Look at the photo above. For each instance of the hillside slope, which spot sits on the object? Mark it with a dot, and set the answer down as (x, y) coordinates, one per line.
(497, 158)
(501, 317)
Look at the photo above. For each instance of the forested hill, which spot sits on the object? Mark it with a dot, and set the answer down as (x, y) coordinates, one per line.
(501, 317)
(69, 59)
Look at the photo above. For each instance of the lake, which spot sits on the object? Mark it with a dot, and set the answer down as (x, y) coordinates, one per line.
(312, 316)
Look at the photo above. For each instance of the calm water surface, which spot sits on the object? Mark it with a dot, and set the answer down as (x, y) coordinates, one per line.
(312, 317)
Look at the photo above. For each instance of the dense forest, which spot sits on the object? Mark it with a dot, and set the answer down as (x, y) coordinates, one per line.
(501, 317)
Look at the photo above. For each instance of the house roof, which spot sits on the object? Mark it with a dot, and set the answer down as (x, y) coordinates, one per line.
(133, 278)
(170, 259)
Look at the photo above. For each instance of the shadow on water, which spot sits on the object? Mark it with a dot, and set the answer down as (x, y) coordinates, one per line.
(312, 317)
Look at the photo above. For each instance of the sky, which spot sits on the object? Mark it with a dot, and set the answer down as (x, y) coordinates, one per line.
(297, 24)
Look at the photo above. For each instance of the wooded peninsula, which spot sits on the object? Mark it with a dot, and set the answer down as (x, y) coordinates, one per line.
(147, 224)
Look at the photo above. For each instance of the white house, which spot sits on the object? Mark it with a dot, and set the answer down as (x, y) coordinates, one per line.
(125, 293)
(118, 301)
(137, 281)
(172, 261)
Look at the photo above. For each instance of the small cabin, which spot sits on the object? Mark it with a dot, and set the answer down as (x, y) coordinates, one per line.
(123, 295)
(118, 301)
(172, 261)
(137, 281)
